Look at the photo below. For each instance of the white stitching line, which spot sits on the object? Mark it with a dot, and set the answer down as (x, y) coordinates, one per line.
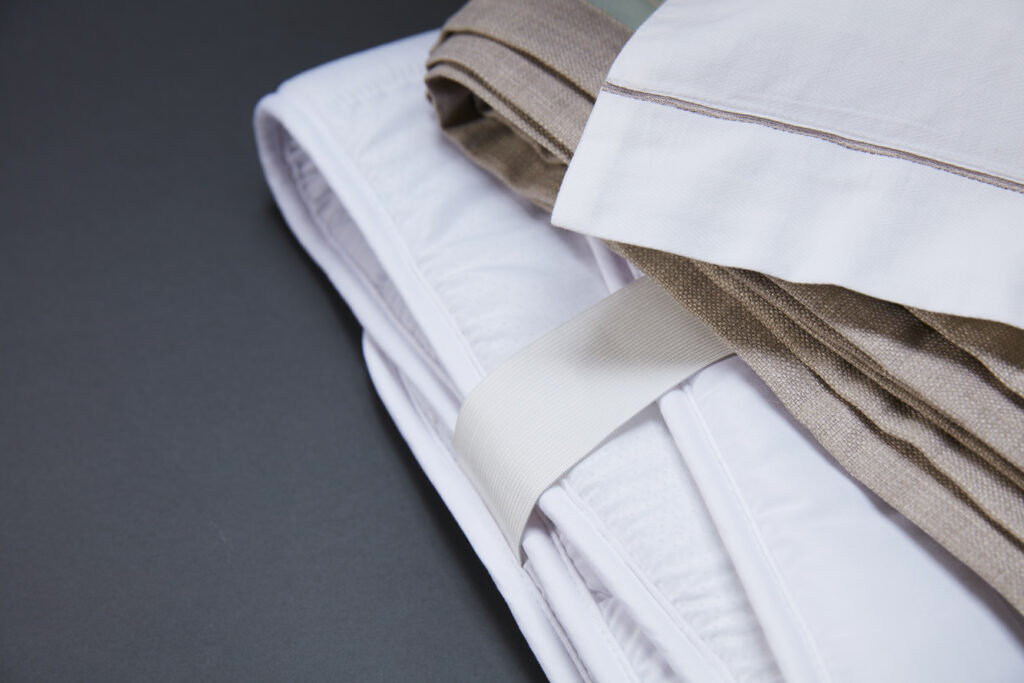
(769, 563)
(370, 285)
(367, 195)
(530, 575)
(682, 624)
(589, 604)
(507, 558)
(849, 143)
(401, 248)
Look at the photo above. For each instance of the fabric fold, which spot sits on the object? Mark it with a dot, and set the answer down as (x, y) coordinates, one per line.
(514, 91)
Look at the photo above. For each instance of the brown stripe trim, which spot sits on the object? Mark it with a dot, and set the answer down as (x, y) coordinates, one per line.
(849, 143)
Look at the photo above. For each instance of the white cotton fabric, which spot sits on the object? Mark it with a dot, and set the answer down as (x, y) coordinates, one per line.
(863, 143)
(709, 539)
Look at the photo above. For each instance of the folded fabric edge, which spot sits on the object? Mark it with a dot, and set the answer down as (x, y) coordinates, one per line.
(273, 116)
(692, 185)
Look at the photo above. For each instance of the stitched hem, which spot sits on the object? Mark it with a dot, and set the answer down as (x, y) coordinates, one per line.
(768, 563)
(628, 561)
(587, 599)
(849, 143)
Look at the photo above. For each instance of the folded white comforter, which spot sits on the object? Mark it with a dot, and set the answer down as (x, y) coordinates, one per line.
(710, 538)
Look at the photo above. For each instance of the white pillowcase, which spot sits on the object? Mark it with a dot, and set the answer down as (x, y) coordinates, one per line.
(871, 144)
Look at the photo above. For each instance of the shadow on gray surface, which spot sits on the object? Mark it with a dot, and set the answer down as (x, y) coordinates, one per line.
(197, 481)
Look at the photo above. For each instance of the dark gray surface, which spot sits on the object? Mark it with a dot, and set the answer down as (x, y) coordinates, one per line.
(196, 479)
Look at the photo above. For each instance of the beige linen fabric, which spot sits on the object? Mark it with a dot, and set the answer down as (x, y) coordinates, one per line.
(925, 409)
(514, 82)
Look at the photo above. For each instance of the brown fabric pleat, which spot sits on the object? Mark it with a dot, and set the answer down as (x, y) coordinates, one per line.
(513, 83)
(925, 409)
(880, 441)
(998, 347)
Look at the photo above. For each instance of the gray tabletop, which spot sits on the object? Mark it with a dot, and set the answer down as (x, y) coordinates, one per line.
(197, 481)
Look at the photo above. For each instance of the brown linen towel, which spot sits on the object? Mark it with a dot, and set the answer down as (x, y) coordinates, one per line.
(925, 409)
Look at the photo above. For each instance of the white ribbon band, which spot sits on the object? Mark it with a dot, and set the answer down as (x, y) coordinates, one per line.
(544, 409)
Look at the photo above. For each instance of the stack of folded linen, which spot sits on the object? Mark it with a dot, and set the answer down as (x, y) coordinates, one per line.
(741, 156)
(711, 536)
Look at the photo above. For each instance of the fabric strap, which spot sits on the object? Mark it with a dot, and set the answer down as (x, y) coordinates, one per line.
(544, 409)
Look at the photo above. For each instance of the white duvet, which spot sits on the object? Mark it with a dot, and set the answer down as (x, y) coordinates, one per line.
(710, 538)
